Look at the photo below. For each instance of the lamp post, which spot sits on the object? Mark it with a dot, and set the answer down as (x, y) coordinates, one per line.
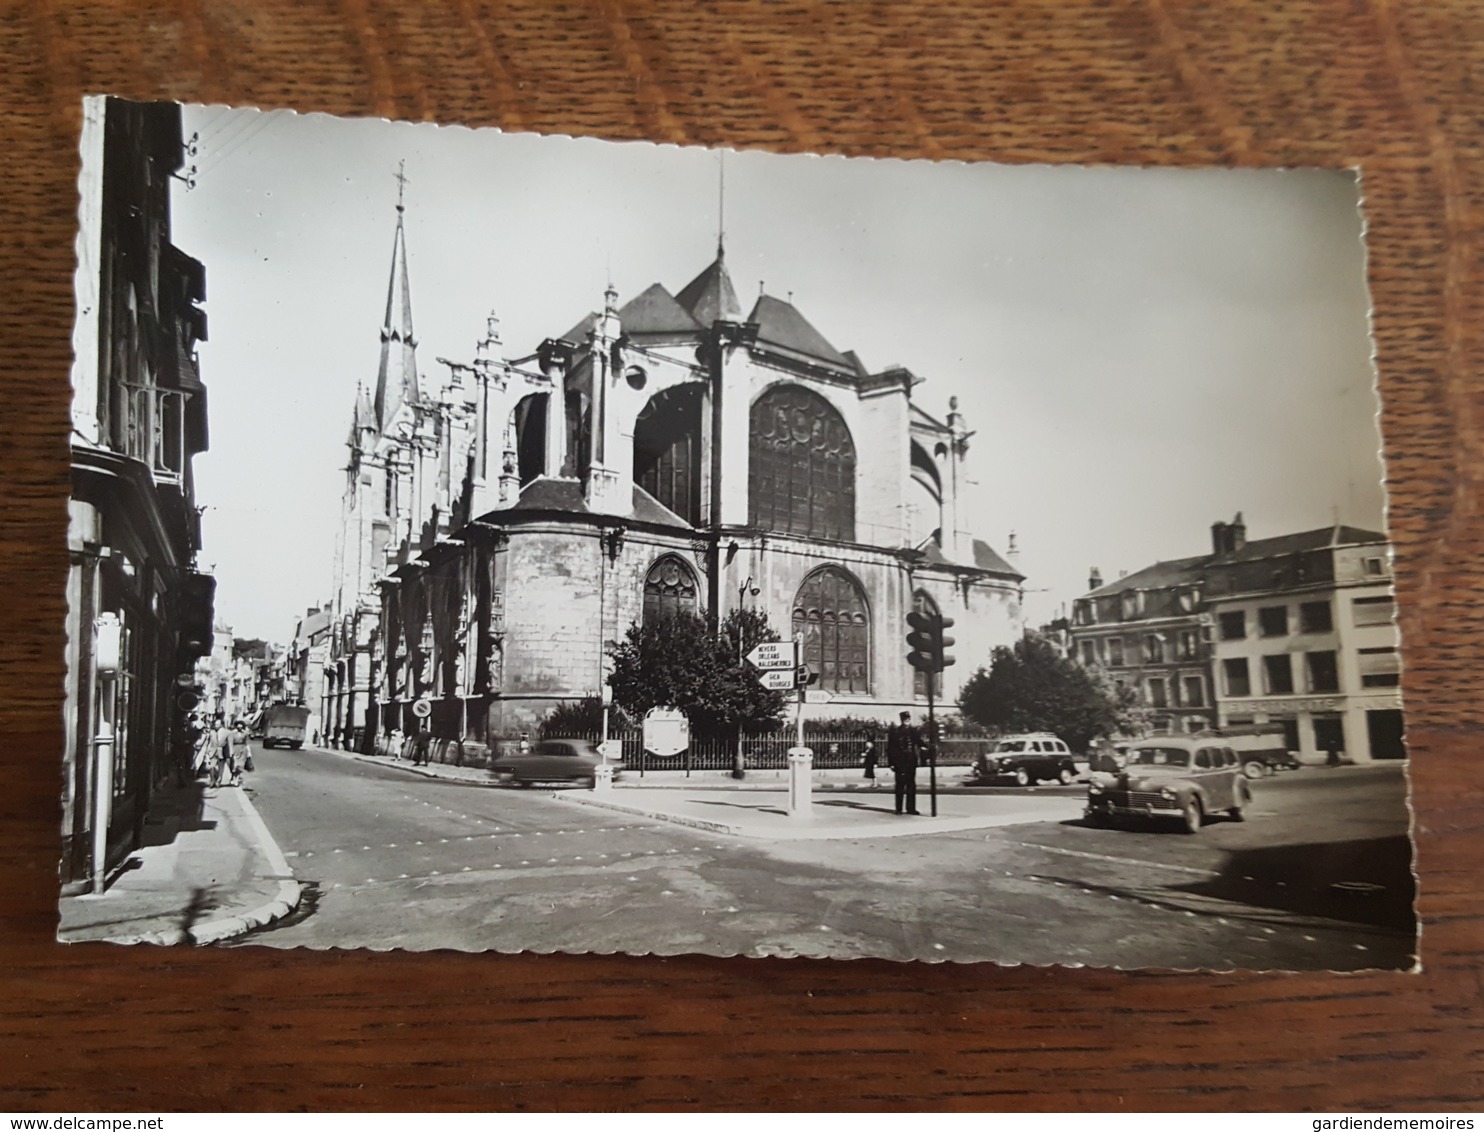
(107, 649)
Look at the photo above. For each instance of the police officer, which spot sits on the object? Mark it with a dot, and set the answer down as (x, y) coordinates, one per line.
(902, 756)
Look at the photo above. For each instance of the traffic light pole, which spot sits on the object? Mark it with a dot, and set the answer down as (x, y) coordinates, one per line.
(932, 747)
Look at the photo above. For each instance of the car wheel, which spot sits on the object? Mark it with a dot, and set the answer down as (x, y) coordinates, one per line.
(1190, 814)
(1022, 776)
(1255, 769)
(590, 782)
(1066, 777)
(1097, 820)
(1244, 799)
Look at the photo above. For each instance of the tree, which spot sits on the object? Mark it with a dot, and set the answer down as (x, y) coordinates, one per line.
(681, 662)
(1032, 687)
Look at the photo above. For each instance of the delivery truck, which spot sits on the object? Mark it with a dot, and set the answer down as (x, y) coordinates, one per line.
(284, 725)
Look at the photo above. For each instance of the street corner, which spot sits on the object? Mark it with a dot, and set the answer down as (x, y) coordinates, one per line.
(768, 816)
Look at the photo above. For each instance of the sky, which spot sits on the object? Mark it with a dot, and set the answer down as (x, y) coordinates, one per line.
(1140, 352)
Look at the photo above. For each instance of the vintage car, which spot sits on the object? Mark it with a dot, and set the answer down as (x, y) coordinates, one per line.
(551, 760)
(1173, 778)
(1028, 759)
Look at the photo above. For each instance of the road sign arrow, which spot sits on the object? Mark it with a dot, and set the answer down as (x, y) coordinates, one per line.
(777, 679)
(817, 696)
(773, 655)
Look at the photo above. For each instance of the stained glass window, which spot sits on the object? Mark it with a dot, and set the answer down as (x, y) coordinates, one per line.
(801, 477)
(667, 450)
(669, 588)
(830, 611)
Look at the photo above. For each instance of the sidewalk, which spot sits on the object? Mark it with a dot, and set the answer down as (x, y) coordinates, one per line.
(849, 780)
(208, 870)
(833, 815)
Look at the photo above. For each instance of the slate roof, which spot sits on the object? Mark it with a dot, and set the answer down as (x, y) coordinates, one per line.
(546, 494)
(984, 559)
(709, 296)
(782, 327)
(1338, 535)
(1181, 571)
(578, 334)
(655, 311)
(1175, 572)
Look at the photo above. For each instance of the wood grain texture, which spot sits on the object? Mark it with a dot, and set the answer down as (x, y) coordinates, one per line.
(1392, 88)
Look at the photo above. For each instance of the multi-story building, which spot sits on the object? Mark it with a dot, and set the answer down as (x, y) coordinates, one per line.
(138, 613)
(666, 454)
(308, 658)
(1305, 636)
(1296, 631)
(1148, 631)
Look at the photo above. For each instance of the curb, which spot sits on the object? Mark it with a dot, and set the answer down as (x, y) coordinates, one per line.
(226, 927)
(656, 815)
(408, 768)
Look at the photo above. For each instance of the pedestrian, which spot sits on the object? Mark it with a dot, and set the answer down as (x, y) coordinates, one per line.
(902, 755)
(212, 744)
(870, 761)
(227, 746)
(420, 748)
(1331, 754)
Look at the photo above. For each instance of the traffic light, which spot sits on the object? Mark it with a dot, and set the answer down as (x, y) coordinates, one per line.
(196, 612)
(927, 642)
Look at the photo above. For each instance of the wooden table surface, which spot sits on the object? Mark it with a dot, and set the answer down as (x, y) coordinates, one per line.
(1390, 87)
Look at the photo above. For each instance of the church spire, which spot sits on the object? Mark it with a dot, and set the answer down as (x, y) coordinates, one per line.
(396, 379)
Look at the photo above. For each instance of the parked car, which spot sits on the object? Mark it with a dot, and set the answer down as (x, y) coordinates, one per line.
(1028, 759)
(1172, 778)
(1263, 748)
(552, 760)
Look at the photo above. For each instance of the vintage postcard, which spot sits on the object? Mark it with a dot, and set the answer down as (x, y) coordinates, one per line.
(520, 543)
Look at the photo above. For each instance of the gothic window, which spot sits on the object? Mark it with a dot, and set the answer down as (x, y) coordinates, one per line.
(530, 432)
(667, 450)
(801, 478)
(922, 602)
(669, 589)
(830, 612)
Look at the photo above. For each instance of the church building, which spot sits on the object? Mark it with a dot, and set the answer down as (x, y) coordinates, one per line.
(669, 452)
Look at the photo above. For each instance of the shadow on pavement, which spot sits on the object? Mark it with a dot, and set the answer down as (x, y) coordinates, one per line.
(1365, 881)
(173, 810)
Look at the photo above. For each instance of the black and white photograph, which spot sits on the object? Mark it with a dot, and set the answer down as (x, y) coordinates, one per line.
(518, 543)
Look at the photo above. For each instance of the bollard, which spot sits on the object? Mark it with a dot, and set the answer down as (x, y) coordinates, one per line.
(800, 783)
(603, 777)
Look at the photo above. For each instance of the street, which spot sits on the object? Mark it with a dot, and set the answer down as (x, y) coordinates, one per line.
(1318, 877)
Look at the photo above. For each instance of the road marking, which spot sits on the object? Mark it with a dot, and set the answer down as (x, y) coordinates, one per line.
(1110, 859)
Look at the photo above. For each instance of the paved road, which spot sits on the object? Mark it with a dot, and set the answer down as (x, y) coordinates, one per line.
(395, 860)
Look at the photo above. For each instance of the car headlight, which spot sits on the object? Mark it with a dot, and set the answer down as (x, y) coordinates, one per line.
(1166, 792)
(1094, 788)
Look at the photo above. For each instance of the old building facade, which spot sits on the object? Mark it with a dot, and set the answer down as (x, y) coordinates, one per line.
(1296, 631)
(666, 453)
(138, 613)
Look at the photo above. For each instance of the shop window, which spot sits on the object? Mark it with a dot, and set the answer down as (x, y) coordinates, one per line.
(1272, 621)
(1290, 734)
(1234, 625)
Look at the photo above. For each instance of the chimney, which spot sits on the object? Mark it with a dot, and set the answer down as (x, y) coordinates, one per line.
(1219, 538)
(1238, 532)
(1094, 579)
